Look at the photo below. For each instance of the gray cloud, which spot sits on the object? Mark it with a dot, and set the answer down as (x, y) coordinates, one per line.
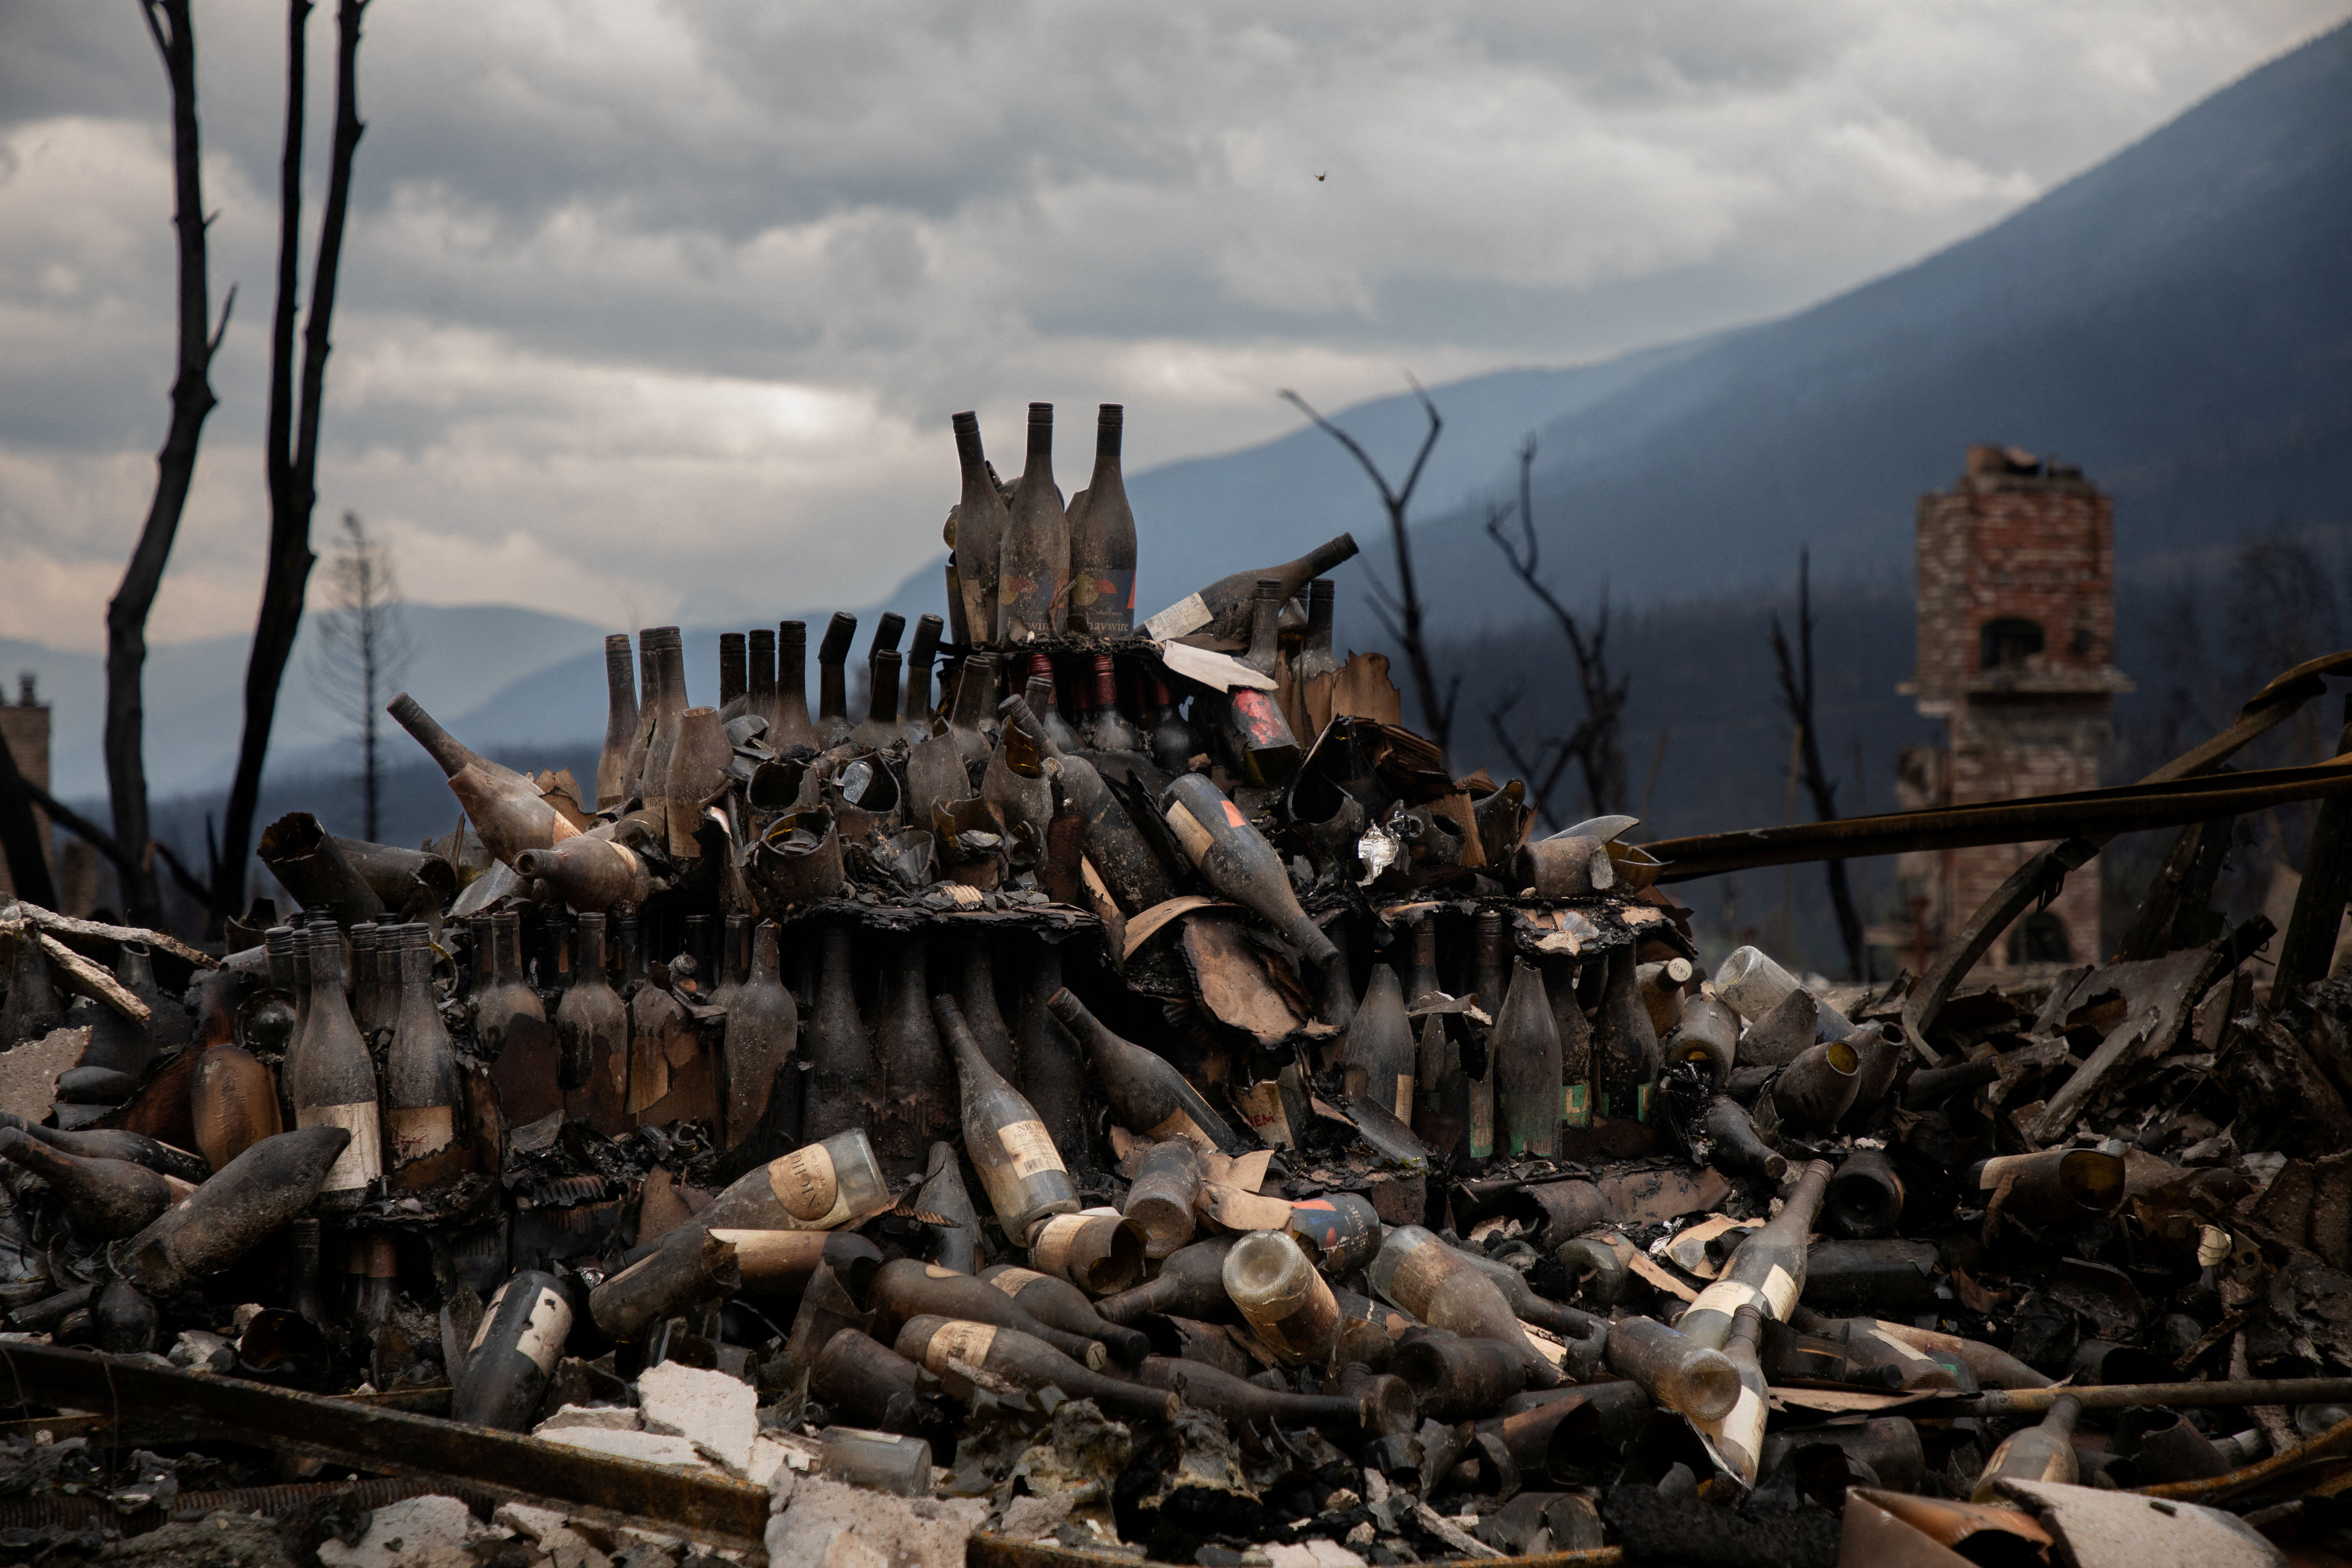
(648, 301)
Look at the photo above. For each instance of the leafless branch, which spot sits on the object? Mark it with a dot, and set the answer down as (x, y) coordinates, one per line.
(1436, 713)
(1797, 697)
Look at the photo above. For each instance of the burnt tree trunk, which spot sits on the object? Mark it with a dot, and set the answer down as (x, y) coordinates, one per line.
(168, 22)
(293, 428)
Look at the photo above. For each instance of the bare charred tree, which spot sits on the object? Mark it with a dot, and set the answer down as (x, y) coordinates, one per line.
(362, 649)
(169, 24)
(1797, 697)
(292, 457)
(1595, 744)
(1399, 612)
(20, 836)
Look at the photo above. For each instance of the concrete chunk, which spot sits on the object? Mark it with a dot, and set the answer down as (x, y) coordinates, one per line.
(830, 1524)
(415, 1533)
(607, 1417)
(29, 1070)
(717, 1414)
(653, 1447)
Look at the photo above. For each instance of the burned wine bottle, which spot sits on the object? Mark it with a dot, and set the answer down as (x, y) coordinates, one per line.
(937, 1342)
(792, 725)
(508, 813)
(975, 994)
(331, 1081)
(907, 1289)
(1221, 612)
(840, 1052)
(522, 1334)
(591, 1037)
(104, 1198)
(880, 727)
(1769, 1268)
(1102, 540)
(1164, 1196)
(1283, 1298)
(833, 724)
(1420, 1274)
(1235, 859)
(249, 1199)
(2038, 1453)
(762, 1027)
(981, 521)
(1676, 1371)
(1034, 571)
(1378, 1060)
(1064, 1305)
(734, 675)
(817, 1186)
(1018, 1164)
(1143, 1089)
(421, 1086)
(1527, 1069)
(922, 1096)
(1191, 1284)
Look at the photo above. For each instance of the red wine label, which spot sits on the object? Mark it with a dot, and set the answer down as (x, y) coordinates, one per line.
(1259, 722)
(966, 1342)
(805, 1183)
(1031, 1149)
(362, 1160)
(416, 1133)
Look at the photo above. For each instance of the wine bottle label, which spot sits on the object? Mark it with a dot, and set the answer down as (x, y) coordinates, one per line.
(805, 1183)
(1259, 723)
(1195, 839)
(1013, 1282)
(1261, 1107)
(1031, 1149)
(1575, 1104)
(1736, 1441)
(1777, 1295)
(1180, 1125)
(1402, 1098)
(1189, 614)
(1482, 1122)
(362, 1160)
(544, 1331)
(966, 1342)
(1051, 1246)
(416, 1133)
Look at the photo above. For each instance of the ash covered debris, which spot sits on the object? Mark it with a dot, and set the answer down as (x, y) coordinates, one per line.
(1123, 1094)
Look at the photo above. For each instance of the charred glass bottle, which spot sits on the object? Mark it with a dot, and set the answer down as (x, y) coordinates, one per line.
(833, 725)
(916, 707)
(1221, 611)
(661, 649)
(760, 675)
(1102, 540)
(975, 994)
(1173, 743)
(1018, 1163)
(420, 1086)
(523, 1331)
(1259, 735)
(1105, 728)
(104, 1198)
(508, 814)
(1235, 859)
(1284, 1296)
(2039, 1453)
(330, 1081)
(880, 727)
(734, 675)
(1053, 1072)
(1034, 573)
(591, 1037)
(921, 1104)
(1144, 1090)
(1768, 1271)
(1046, 707)
(1527, 1066)
(792, 725)
(762, 1027)
(1378, 1061)
(980, 520)
(840, 1053)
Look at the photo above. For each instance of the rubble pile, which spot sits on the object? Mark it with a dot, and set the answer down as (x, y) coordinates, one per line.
(1130, 1099)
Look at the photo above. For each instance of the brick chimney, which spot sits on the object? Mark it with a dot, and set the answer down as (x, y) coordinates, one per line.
(2016, 649)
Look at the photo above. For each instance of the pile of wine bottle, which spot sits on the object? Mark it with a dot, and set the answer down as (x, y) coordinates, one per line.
(1099, 1012)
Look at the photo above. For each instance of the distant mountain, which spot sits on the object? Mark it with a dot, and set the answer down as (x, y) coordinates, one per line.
(2178, 321)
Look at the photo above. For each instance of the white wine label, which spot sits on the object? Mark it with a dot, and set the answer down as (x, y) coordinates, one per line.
(550, 1325)
(1180, 1125)
(1031, 1149)
(1403, 1106)
(1189, 832)
(762, 1253)
(490, 1311)
(1576, 1104)
(1049, 1248)
(1779, 1294)
(1189, 614)
(416, 1133)
(1728, 1296)
(362, 1160)
(966, 1342)
(1908, 1352)
(1013, 1282)
(804, 1183)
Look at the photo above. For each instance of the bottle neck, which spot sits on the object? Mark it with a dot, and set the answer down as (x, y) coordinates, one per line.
(633, 947)
(1041, 440)
(792, 664)
(620, 674)
(438, 741)
(761, 650)
(1266, 626)
(764, 967)
(326, 954)
(969, 455)
(592, 961)
(975, 692)
(1318, 616)
(882, 707)
(734, 667)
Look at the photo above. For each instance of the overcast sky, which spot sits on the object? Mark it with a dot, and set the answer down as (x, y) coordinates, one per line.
(654, 310)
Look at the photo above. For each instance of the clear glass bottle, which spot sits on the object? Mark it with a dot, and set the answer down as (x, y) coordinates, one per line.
(1284, 1298)
(1023, 1171)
